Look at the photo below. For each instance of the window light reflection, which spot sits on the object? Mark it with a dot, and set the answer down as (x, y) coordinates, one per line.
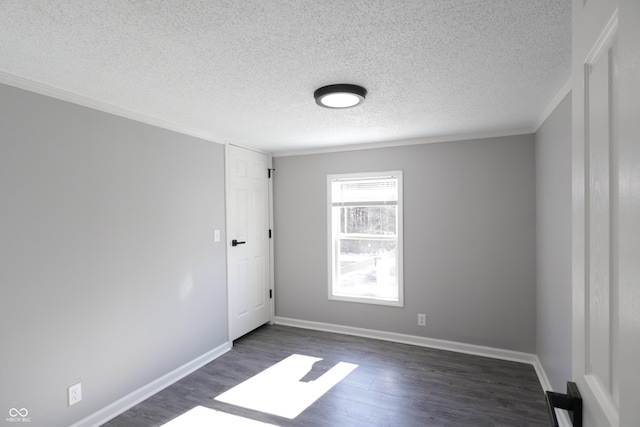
(201, 416)
(278, 390)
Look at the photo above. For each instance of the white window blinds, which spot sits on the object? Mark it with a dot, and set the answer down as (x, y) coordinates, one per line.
(365, 192)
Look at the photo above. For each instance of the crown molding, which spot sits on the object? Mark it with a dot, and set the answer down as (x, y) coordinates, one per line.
(405, 142)
(74, 98)
(564, 91)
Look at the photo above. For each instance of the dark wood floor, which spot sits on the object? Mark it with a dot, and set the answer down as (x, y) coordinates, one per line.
(394, 385)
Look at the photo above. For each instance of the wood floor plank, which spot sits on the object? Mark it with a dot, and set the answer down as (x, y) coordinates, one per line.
(394, 385)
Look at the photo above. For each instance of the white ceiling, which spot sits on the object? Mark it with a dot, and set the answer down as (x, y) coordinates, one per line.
(244, 72)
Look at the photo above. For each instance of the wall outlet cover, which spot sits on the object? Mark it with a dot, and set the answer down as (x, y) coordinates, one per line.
(422, 320)
(75, 394)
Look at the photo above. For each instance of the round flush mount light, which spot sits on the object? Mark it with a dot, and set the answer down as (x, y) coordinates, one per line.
(340, 96)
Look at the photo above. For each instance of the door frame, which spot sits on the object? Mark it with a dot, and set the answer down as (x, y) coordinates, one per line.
(226, 226)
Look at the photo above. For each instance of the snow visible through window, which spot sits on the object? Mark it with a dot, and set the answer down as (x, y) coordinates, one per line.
(365, 223)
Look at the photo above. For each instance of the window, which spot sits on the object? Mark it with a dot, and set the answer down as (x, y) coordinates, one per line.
(365, 237)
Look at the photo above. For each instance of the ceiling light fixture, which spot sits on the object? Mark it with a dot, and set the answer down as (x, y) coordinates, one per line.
(340, 96)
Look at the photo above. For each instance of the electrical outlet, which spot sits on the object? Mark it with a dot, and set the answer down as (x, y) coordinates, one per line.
(422, 320)
(75, 394)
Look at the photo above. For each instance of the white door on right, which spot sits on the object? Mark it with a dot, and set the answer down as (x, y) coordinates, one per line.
(595, 210)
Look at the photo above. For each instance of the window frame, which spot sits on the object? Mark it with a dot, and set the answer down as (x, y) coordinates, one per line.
(332, 274)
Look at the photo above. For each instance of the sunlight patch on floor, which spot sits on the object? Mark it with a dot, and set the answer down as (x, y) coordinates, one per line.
(201, 416)
(278, 390)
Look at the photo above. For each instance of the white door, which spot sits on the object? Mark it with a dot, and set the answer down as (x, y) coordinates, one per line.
(606, 211)
(248, 256)
(629, 210)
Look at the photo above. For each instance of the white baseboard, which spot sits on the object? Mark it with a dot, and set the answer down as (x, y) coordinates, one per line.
(496, 353)
(563, 416)
(121, 405)
(477, 350)
(542, 375)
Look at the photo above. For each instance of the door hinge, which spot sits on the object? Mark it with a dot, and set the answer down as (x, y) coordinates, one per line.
(269, 172)
(269, 233)
(270, 293)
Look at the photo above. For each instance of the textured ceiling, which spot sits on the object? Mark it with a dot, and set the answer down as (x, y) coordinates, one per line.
(244, 72)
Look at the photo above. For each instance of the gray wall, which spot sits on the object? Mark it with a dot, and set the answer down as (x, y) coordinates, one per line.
(469, 240)
(553, 193)
(109, 274)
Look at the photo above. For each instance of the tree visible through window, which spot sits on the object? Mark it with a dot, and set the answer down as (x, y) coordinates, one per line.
(365, 237)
